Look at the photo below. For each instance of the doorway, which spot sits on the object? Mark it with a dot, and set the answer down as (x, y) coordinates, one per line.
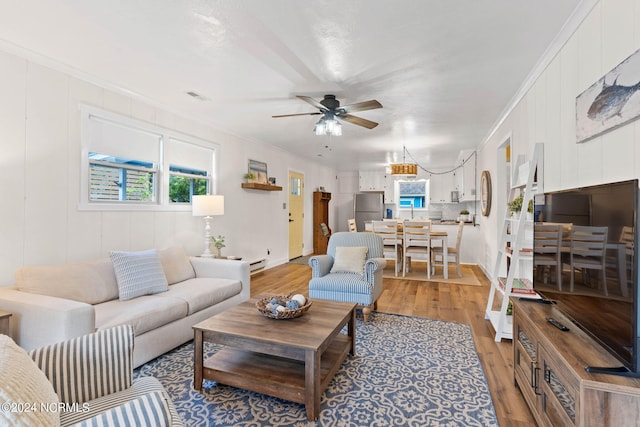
(296, 214)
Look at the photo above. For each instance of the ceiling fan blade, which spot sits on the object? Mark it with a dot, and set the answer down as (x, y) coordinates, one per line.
(312, 101)
(357, 121)
(299, 114)
(361, 106)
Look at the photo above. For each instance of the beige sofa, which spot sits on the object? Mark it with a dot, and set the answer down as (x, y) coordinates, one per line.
(50, 304)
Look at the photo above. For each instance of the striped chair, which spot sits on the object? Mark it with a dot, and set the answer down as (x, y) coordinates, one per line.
(349, 286)
(94, 373)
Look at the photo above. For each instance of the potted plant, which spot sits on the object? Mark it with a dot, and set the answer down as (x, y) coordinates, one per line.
(515, 206)
(218, 242)
(464, 215)
(250, 176)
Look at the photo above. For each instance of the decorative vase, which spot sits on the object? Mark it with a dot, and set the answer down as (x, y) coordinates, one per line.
(218, 252)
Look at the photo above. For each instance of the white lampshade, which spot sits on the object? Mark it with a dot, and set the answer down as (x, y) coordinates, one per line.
(207, 205)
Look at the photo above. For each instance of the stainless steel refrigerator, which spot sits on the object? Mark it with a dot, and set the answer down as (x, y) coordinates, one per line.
(367, 207)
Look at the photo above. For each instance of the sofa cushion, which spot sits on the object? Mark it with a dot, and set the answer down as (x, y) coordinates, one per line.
(176, 264)
(143, 314)
(148, 410)
(138, 273)
(350, 259)
(23, 383)
(143, 386)
(203, 292)
(91, 282)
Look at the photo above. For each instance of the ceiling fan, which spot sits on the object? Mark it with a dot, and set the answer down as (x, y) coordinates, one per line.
(330, 109)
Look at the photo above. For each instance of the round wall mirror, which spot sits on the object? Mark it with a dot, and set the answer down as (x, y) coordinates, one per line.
(485, 193)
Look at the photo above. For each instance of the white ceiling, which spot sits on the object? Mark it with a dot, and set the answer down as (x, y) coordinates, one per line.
(443, 70)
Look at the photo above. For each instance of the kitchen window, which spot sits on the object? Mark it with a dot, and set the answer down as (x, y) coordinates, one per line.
(413, 194)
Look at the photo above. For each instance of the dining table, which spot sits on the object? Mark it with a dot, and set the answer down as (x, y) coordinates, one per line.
(440, 236)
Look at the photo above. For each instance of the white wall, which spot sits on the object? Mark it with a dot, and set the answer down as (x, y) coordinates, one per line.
(546, 114)
(40, 175)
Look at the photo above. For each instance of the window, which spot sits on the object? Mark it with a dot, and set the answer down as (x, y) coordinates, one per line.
(413, 194)
(185, 183)
(190, 169)
(118, 179)
(132, 165)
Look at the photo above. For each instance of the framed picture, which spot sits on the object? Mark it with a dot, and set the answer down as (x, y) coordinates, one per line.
(259, 170)
(611, 101)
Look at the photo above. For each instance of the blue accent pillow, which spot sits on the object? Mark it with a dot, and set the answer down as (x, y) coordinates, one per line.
(138, 273)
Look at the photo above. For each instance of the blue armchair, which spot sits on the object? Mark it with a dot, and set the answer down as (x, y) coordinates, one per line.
(363, 289)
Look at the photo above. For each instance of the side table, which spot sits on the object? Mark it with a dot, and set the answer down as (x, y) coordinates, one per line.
(4, 322)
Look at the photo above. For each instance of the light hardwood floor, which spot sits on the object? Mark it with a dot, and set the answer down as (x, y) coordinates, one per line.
(455, 303)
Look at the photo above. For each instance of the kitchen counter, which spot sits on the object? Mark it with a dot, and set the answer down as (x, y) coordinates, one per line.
(450, 223)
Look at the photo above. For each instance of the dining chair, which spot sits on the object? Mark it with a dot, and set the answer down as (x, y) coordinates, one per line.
(627, 239)
(623, 271)
(547, 251)
(416, 244)
(392, 241)
(352, 225)
(452, 252)
(588, 252)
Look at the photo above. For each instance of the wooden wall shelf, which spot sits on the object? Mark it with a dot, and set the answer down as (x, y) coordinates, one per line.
(265, 187)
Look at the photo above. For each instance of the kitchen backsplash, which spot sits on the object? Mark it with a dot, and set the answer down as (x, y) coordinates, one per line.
(436, 211)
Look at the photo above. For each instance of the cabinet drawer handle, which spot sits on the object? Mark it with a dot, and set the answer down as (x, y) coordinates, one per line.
(534, 373)
(547, 375)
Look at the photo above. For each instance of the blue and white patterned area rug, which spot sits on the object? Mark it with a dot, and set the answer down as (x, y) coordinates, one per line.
(407, 372)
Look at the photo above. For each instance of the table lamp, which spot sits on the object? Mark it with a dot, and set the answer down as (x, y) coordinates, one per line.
(207, 206)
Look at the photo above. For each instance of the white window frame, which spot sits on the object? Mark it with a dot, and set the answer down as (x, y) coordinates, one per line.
(161, 202)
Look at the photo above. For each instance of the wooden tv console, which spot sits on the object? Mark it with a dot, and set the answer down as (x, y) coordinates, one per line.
(549, 370)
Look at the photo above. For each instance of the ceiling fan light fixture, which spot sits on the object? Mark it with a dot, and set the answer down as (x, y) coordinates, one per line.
(320, 128)
(331, 110)
(328, 127)
(334, 128)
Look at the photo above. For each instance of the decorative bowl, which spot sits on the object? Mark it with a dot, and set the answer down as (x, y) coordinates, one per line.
(287, 313)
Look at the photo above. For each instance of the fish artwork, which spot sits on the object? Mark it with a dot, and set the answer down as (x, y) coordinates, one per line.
(611, 100)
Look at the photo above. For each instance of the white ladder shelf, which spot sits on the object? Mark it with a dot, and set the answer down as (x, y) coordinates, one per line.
(521, 241)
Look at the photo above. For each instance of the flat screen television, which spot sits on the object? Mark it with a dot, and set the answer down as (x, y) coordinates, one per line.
(612, 319)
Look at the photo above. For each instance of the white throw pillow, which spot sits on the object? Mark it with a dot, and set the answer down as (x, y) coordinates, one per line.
(176, 264)
(138, 273)
(350, 259)
(26, 395)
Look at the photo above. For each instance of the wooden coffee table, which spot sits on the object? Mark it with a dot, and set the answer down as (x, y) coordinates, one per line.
(293, 359)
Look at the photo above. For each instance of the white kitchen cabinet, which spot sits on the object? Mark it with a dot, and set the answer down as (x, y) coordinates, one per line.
(440, 187)
(390, 190)
(466, 176)
(372, 180)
